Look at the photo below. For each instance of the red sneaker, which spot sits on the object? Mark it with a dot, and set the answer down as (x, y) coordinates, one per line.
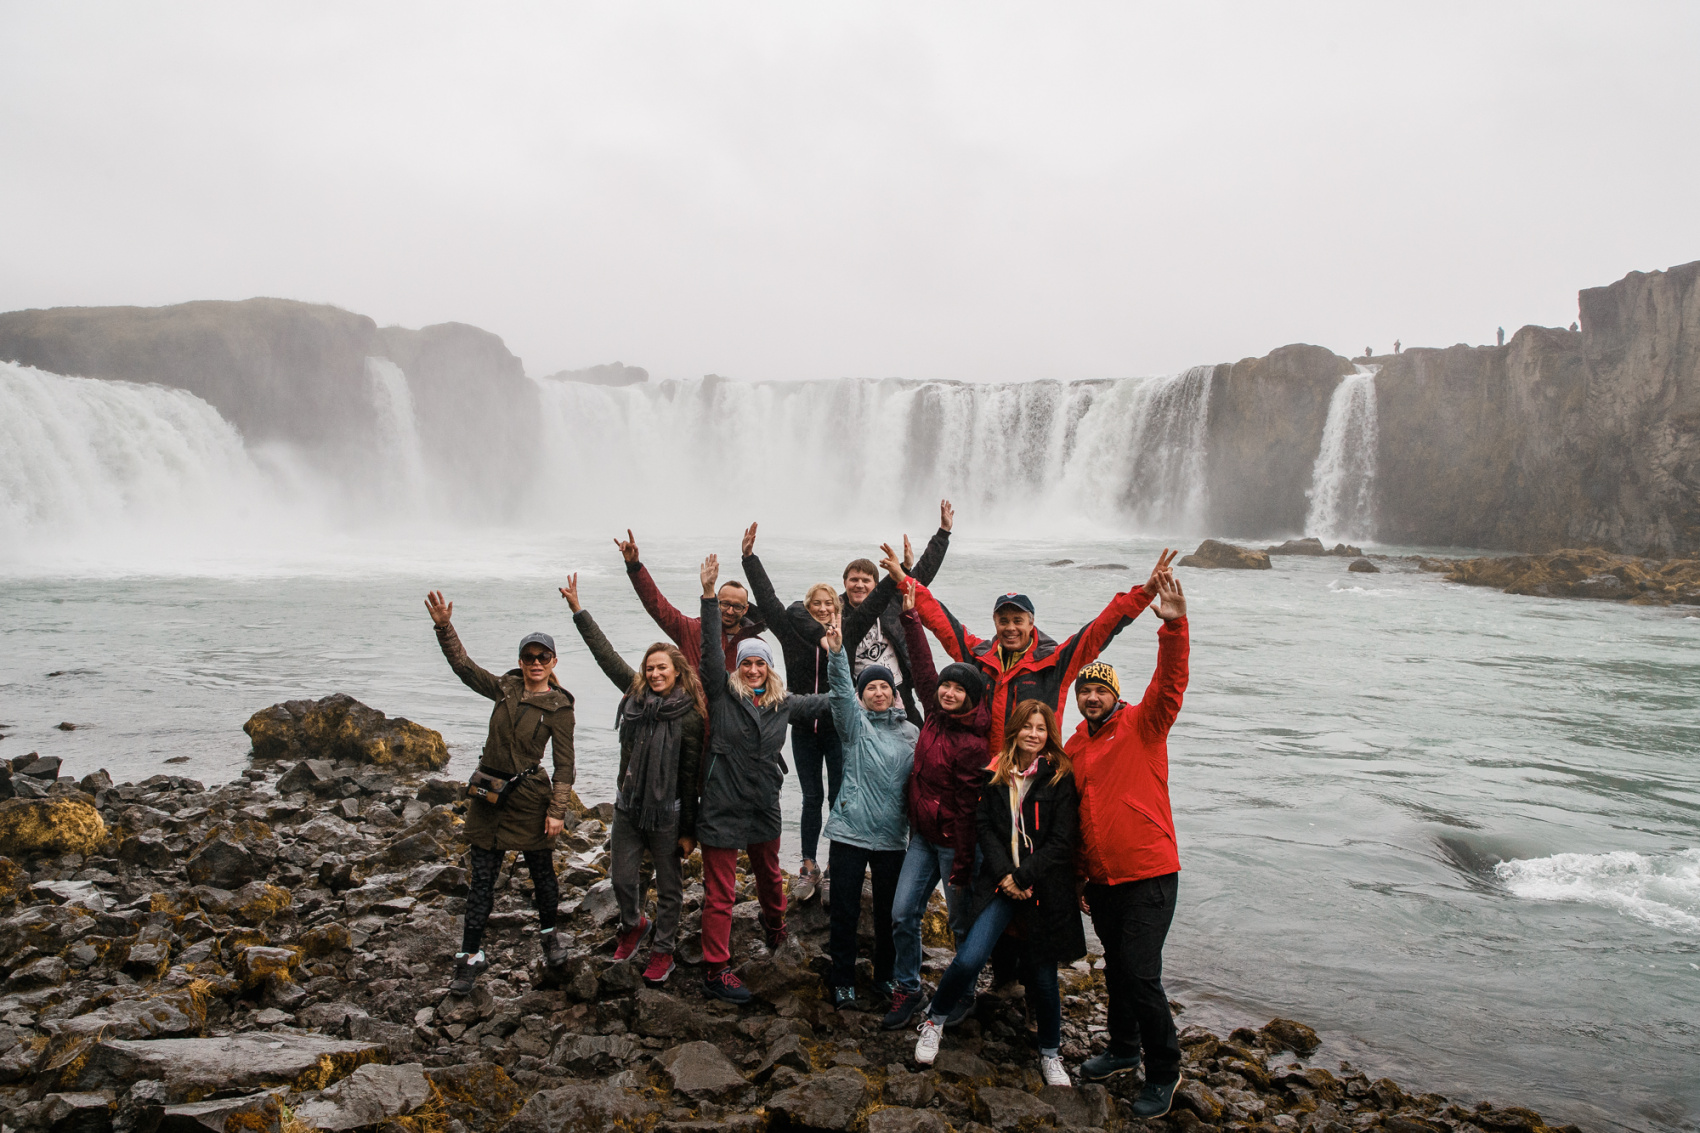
(631, 938)
(660, 967)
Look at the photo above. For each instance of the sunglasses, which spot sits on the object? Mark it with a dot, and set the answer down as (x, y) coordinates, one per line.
(535, 658)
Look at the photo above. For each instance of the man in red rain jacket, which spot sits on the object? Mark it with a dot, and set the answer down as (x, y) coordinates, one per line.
(1126, 854)
(738, 619)
(1023, 663)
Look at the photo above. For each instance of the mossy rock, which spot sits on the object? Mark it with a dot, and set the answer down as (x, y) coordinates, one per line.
(31, 828)
(341, 728)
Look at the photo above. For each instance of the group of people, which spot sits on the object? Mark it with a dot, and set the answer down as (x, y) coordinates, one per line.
(961, 776)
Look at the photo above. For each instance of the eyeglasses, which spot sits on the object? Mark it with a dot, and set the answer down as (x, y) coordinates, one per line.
(734, 607)
(536, 658)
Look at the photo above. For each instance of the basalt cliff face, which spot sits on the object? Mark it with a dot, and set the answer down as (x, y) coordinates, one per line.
(281, 370)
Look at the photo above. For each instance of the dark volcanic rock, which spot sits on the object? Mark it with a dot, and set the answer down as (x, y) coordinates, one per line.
(341, 728)
(830, 1100)
(197, 1067)
(582, 1107)
(1363, 566)
(701, 1072)
(260, 1112)
(366, 1097)
(1212, 554)
(222, 865)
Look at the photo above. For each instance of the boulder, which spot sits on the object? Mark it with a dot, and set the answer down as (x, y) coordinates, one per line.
(1085, 1105)
(193, 1068)
(258, 964)
(341, 728)
(902, 1119)
(1590, 573)
(662, 1015)
(832, 1100)
(701, 1072)
(1286, 1034)
(1214, 554)
(77, 1112)
(903, 1088)
(479, 1095)
(593, 1054)
(31, 828)
(1200, 1099)
(147, 850)
(48, 971)
(1306, 546)
(1004, 1108)
(367, 1096)
(43, 767)
(1363, 566)
(222, 864)
(959, 1065)
(786, 1050)
(260, 1112)
(584, 1107)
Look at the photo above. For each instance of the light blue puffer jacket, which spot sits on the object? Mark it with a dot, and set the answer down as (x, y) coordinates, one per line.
(879, 748)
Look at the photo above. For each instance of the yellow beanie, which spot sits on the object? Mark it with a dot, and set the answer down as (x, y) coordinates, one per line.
(1103, 674)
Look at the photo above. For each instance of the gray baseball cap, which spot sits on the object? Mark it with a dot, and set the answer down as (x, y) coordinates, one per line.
(542, 639)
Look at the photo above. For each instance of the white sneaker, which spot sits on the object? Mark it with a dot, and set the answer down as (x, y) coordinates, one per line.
(1050, 1067)
(927, 1046)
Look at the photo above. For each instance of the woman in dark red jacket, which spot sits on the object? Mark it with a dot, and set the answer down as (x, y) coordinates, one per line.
(944, 794)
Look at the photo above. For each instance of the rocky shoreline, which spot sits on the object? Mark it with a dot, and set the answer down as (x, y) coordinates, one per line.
(271, 955)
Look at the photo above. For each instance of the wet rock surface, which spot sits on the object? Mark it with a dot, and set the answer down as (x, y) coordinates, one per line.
(1590, 573)
(1215, 554)
(257, 957)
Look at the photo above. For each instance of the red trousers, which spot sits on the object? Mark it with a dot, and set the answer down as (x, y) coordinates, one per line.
(719, 878)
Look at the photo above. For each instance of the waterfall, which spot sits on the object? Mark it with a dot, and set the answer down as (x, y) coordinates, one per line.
(1127, 453)
(402, 476)
(1342, 491)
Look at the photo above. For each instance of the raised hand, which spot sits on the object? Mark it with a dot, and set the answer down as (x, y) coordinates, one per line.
(908, 555)
(441, 611)
(570, 592)
(749, 540)
(1171, 602)
(908, 586)
(710, 574)
(947, 514)
(891, 564)
(628, 546)
(835, 634)
(1162, 568)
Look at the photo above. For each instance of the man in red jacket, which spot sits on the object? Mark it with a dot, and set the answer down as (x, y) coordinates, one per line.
(1126, 854)
(1024, 663)
(737, 619)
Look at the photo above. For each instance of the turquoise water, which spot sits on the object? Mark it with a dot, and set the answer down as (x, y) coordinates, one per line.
(1456, 831)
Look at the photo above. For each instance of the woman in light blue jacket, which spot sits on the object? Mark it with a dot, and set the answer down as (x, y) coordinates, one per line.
(868, 829)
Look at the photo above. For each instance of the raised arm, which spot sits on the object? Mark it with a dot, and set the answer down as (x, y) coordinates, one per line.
(610, 662)
(479, 680)
(927, 567)
(1162, 700)
(711, 664)
(921, 668)
(1083, 648)
(847, 715)
(773, 611)
(957, 642)
(673, 623)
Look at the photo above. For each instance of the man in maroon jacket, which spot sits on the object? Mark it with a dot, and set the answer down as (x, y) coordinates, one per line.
(738, 619)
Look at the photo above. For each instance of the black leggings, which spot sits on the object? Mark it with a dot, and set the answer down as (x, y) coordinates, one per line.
(545, 892)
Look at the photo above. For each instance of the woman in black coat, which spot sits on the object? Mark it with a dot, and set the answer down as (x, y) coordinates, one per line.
(1024, 881)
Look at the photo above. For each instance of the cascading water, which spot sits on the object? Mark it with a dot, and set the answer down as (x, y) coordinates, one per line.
(1342, 491)
(1127, 452)
(402, 473)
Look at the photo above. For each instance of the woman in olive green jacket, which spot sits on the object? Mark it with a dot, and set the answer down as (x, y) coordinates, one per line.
(532, 712)
(660, 719)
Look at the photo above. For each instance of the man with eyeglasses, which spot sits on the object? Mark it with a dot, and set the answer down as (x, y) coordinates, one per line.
(738, 619)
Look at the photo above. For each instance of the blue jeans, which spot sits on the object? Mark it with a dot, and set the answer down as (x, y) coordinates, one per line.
(1040, 977)
(812, 744)
(924, 866)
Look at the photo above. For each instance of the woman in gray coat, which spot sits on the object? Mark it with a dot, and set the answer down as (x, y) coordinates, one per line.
(749, 713)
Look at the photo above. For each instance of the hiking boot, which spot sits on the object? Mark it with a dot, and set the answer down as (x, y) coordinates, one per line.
(467, 970)
(725, 984)
(927, 1046)
(1154, 1100)
(630, 938)
(555, 949)
(903, 1005)
(660, 967)
(1107, 1064)
(843, 998)
(1051, 1069)
(776, 935)
(964, 1007)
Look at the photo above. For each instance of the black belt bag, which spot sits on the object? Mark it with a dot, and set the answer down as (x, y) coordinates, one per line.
(494, 787)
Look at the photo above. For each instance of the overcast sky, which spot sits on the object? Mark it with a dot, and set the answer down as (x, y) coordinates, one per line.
(975, 191)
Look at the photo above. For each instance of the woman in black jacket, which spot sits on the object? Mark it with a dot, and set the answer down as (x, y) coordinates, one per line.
(1027, 823)
(661, 720)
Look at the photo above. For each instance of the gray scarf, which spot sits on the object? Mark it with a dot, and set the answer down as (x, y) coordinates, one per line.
(650, 725)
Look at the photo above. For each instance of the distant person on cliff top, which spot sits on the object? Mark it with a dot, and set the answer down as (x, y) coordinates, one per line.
(871, 627)
(1501, 336)
(1024, 663)
(943, 795)
(661, 720)
(1025, 824)
(1395, 346)
(1127, 858)
(748, 713)
(532, 711)
(736, 622)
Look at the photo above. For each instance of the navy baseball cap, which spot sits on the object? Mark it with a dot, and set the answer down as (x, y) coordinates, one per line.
(1019, 601)
(542, 639)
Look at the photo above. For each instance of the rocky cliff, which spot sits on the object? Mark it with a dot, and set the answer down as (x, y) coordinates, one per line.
(282, 370)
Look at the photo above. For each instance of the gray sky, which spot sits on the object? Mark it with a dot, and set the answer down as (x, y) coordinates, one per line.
(975, 191)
